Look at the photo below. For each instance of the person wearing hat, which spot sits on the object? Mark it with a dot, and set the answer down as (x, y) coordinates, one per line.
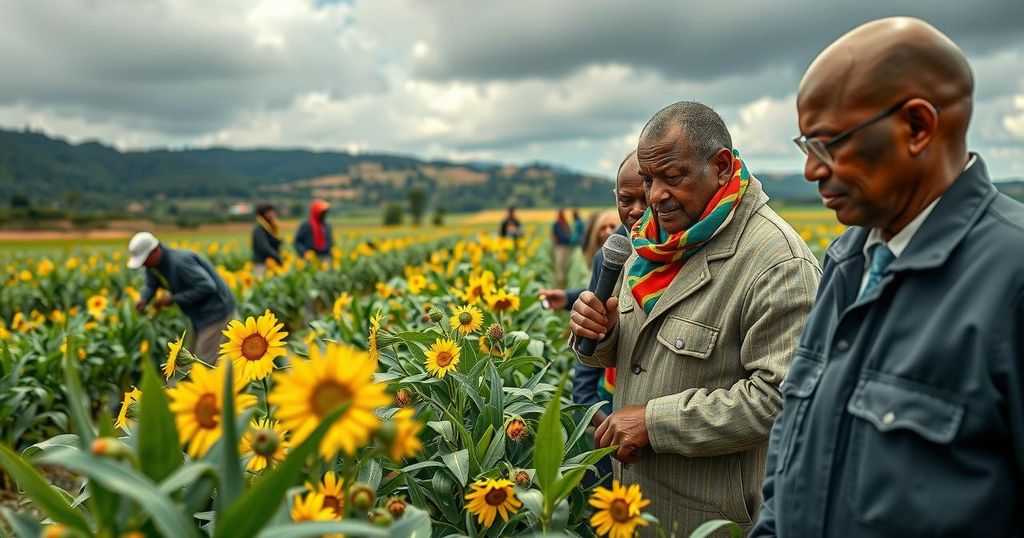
(193, 284)
(266, 239)
(314, 234)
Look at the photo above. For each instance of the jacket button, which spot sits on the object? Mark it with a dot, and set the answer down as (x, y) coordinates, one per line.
(636, 369)
(889, 418)
(679, 344)
(842, 345)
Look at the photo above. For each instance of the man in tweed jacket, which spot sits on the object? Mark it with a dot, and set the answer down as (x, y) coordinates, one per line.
(699, 371)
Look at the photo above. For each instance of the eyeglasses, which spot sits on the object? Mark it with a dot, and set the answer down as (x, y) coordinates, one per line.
(819, 148)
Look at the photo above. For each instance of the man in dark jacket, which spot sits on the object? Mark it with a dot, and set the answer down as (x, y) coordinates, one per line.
(904, 403)
(193, 284)
(315, 234)
(266, 239)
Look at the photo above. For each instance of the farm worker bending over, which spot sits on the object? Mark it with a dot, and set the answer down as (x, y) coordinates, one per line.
(315, 234)
(194, 286)
(703, 329)
(904, 404)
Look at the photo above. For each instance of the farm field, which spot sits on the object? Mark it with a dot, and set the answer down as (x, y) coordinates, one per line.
(394, 388)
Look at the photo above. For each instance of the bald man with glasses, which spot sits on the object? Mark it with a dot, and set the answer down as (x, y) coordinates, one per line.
(903, 410)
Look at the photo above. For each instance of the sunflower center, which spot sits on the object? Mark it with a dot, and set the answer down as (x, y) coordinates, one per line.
(496, 497)
(619, 510)
(333, 503)
(503, 304)
(465, 318)
(328, 396)
(254, 347)
(207, 414)
(444, 358)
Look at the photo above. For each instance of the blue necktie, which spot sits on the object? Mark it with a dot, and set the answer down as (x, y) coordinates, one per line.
(881, 257)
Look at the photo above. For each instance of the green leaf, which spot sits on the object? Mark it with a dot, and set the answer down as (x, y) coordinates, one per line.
(24, 526)
(371, 474)
(125, 481)
(64, 440)
(36, 488)
(247, 515)
(458, 462)
(76, 401)
(421, 465)
(547, 455)
(533, 500)
(565, 485)
(444, 428)
(484, 442)
(415, 523)
(186, 475)
(231, 484)
(324, 528)
(494, 453)
(710, 527)
(159, 445)
(582, 425)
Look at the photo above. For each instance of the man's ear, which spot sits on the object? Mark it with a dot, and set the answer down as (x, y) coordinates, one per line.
(722, 161)
(923, 121)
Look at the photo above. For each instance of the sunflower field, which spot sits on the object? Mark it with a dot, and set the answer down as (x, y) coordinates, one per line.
(414, 386)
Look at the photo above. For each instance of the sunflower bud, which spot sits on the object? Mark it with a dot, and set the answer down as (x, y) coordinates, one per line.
(109, 447)
(396, 506)
(516, 429)
(265, 442)
(496, 333)
(522, 478)
(380, 517)
(361, 496)
(403, 398)
(435, 315)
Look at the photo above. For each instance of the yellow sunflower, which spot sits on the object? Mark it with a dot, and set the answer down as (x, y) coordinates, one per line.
(503, 301)
(490, 498)
(96, 305)
(333, 491)
(311, 508)
(443, 357)
(374, 328)
(466, 319)
(130, 397)
(341, 306)
(384, 291)
(406, 443)
(416, 283)
(197, 406)
(172, 356)
(309, 391)
(266, 441)
(617, 510)
(253, 346)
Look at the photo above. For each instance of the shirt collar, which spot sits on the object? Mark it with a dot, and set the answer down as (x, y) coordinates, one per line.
(899, 242)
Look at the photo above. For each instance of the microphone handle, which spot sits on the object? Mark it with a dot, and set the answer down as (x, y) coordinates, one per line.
(605, 286)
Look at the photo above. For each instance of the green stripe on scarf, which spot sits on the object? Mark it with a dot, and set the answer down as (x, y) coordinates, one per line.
(661, 255)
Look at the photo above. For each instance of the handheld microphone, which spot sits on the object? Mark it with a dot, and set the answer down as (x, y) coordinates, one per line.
(616, 251)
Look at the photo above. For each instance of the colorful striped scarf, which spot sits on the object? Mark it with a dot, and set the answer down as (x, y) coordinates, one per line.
(661, 256)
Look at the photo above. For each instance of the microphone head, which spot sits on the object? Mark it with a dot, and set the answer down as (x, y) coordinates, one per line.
(616, 250)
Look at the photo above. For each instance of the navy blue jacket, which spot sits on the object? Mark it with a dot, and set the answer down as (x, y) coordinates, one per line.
(194, 284)
(904, 410)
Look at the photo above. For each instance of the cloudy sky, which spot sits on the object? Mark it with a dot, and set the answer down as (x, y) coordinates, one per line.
(569, 82)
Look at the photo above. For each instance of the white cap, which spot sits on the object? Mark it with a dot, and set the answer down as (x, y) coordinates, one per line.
(140, 247)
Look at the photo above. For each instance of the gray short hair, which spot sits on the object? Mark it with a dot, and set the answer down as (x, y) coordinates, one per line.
(704, 129)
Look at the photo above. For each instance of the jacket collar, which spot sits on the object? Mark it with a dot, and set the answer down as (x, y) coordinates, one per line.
(960, 207)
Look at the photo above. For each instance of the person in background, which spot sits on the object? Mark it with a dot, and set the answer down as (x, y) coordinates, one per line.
(904, 404)
(579, 229)
(703, 327)
(561, 242)
(266, 239)
(594, 384)
(192, 283)
(603, 225)
(315, 234)
(511, 227)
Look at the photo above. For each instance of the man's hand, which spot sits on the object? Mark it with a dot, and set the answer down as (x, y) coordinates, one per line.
(163, 302)
(598, 419)
(591, 319)
(557, 299)
(626, 428)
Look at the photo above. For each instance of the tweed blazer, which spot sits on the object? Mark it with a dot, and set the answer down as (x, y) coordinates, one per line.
(707, 363)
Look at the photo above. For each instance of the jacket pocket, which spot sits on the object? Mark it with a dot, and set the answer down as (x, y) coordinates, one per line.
(901, 453)
(684, 337)
(802, 379)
